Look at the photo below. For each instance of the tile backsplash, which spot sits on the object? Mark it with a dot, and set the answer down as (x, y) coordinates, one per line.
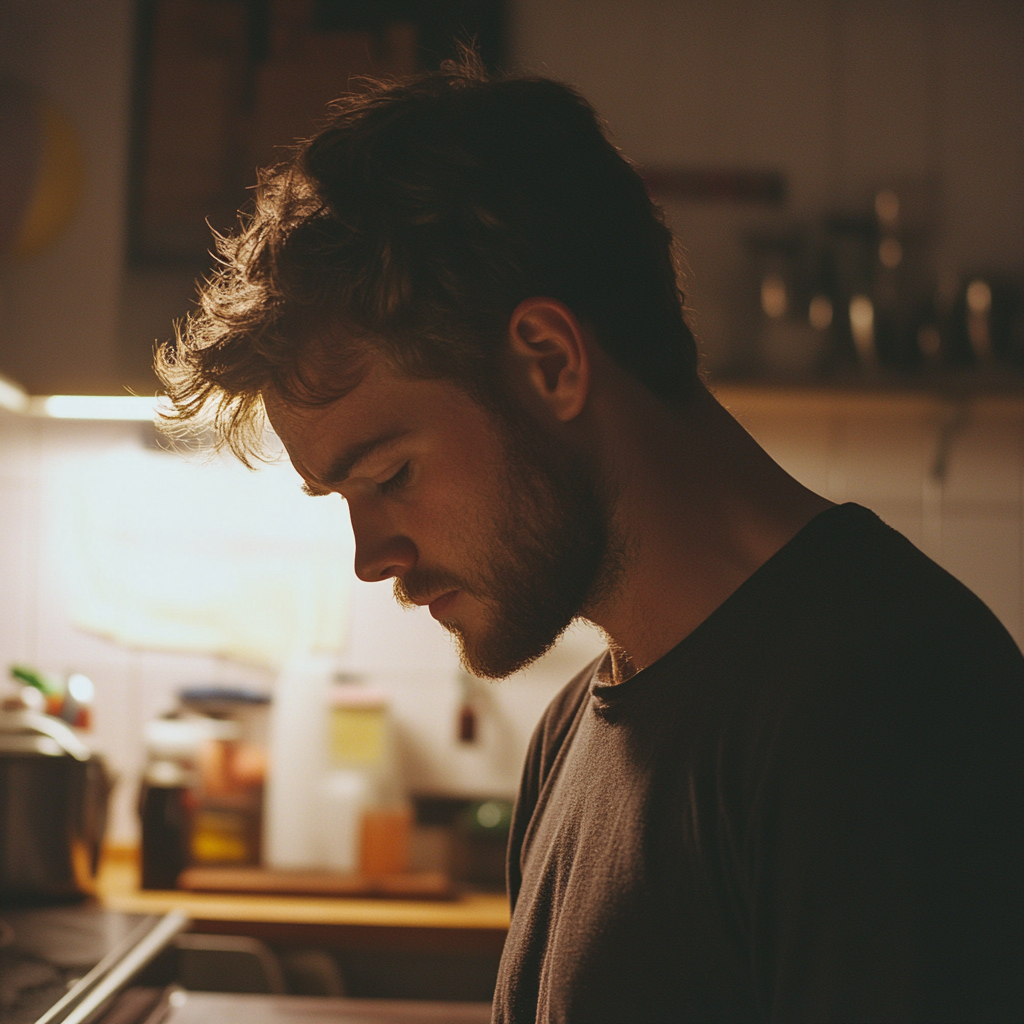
(950, 477)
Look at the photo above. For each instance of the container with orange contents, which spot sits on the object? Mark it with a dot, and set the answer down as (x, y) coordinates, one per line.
(201, 796)
(232, 767)
(367, 816)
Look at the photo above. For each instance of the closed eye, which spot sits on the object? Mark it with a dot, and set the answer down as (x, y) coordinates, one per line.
(396, 482)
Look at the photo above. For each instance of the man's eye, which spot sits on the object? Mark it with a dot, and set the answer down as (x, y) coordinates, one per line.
(395, 482)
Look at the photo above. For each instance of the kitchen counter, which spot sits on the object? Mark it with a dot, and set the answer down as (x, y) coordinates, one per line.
(200, 1007)
(472, 923)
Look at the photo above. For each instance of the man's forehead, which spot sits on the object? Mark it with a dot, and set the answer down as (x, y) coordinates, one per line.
(368, 397)
(326, 442)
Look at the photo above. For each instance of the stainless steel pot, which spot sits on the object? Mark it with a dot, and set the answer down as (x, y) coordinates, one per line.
(53, 809)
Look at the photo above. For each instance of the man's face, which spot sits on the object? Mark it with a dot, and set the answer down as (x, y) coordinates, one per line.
(484, 519)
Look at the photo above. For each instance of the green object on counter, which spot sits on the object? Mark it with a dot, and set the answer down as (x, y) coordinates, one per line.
(46, 685)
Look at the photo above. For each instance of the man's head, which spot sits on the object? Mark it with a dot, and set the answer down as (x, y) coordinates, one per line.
(397, 247)
(505, 536)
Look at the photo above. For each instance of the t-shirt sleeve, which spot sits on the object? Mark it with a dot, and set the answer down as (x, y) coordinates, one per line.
(545, 744)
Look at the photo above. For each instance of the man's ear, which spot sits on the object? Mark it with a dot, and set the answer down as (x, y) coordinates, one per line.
(551, 346)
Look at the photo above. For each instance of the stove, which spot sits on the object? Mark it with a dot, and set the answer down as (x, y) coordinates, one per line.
(59, 964)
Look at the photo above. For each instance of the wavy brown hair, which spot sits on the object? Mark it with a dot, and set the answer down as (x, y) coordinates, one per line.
(416, 220)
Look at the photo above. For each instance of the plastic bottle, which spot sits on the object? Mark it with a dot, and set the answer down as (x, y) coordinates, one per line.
(344, 795)
(362, 744)
(297, 755)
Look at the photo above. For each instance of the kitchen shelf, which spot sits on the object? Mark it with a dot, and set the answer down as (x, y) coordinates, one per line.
(991, 393)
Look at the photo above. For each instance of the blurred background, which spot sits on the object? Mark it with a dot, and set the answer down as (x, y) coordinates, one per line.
(845, 182)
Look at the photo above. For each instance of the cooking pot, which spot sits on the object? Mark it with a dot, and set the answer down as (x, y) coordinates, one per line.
(53, 809)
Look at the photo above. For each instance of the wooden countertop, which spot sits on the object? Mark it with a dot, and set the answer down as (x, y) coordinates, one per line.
(468, 921)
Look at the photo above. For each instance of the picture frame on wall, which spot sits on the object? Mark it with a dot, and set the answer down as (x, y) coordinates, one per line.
(223, 87)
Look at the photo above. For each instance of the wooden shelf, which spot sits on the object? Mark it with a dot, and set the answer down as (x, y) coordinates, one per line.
(995, 394)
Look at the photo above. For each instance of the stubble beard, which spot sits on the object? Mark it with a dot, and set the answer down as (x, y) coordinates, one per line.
(550, 554)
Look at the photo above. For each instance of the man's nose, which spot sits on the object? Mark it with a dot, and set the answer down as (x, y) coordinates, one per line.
(380, 552)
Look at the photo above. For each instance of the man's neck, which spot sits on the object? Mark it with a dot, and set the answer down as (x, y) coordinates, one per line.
(699, 507)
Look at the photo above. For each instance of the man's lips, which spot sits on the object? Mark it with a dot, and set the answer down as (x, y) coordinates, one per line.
(441, 604)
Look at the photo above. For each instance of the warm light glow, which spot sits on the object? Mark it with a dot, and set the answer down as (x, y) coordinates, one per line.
(887, 206)
(100, 407)
(251, 570)
(820, 312)
(773, 296)
(11, 396)
(862, 325)
(890, 252)
(489, 814)
(929, 341)
(81, 688)
(979, 305)
(33, 698)
(979, 298)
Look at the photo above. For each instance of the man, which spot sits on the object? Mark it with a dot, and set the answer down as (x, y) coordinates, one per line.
(791, 789)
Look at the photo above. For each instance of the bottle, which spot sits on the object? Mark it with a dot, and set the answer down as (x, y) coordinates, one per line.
(362, 744)
(165, 818)
(297, 764)
(344, 796)
(167, 799)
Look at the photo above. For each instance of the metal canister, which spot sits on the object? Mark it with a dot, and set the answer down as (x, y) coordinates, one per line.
(53, 809)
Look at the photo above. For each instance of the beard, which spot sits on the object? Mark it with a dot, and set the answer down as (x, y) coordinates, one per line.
(549, 554)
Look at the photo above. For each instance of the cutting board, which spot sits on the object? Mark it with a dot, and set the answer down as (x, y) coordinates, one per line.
(413, 885)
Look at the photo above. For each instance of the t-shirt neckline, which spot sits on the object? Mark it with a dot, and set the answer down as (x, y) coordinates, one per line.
(607, 694)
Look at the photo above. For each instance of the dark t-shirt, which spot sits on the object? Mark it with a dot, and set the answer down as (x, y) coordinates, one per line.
(808, 810)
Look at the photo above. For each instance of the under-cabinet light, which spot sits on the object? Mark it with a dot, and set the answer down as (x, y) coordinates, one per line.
(100, 407)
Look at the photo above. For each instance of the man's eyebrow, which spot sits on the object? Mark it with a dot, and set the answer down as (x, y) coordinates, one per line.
(341, 468)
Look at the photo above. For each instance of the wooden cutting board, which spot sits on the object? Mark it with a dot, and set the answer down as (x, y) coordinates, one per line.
(413, 885)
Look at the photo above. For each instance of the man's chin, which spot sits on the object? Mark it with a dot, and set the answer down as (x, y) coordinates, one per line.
(495, 654)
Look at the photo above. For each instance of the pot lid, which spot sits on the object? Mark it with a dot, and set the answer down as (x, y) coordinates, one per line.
(24, 731)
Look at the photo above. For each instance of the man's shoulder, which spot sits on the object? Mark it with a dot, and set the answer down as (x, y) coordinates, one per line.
(561, 712)
(551, 734)
(851, 579)
(851, 628)
(553, 729)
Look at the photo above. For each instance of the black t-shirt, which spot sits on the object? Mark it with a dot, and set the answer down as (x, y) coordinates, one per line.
(808, 810)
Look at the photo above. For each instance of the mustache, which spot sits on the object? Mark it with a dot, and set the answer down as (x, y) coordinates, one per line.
(418, 584)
